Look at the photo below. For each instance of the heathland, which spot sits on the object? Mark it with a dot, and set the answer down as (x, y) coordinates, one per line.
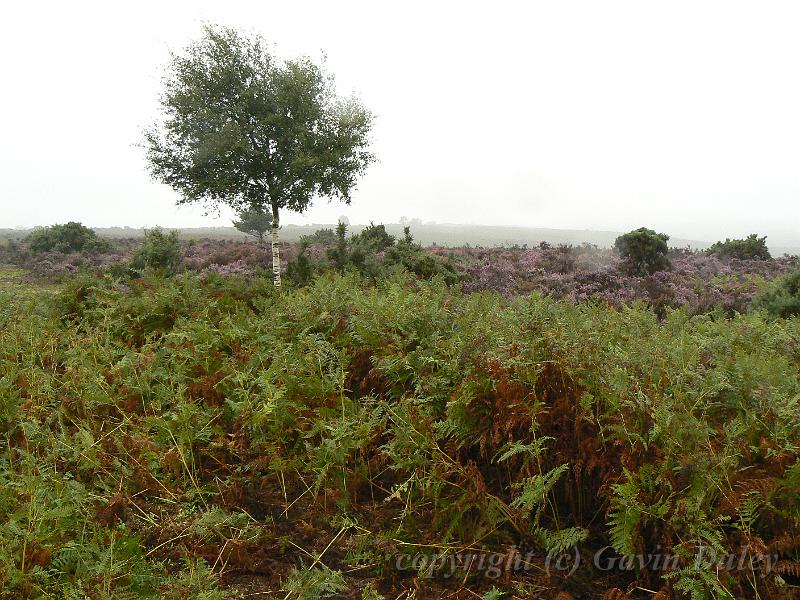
(176, 427)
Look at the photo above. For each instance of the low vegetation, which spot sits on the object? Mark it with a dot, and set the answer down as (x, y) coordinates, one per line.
(177, 428)
(180, 437)
(781, 299)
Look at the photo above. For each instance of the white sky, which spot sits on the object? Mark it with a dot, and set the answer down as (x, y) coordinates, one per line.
(682, 116)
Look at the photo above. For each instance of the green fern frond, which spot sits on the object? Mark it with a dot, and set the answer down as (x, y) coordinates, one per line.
(532, 450)
(561, 540)
(534, 489)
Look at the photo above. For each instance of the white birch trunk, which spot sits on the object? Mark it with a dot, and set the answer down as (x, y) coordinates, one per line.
(276, 254)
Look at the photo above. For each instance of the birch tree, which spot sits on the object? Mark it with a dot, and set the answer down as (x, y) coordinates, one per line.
(244, 128)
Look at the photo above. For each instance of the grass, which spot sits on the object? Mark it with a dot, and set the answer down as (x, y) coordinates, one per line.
(9, 273)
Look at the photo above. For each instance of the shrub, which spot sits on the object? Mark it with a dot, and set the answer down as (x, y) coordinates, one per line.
(643, 251)
(324, 237)
(781, 299)
(338, 254)
(364, 246)
(750, 248)
(299, 270)
(160, 251)
(373, 253)
(558, 260)
(70, 237)
(372, 238)
(414, 259)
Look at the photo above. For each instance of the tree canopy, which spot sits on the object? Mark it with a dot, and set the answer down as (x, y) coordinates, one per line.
(245, 128)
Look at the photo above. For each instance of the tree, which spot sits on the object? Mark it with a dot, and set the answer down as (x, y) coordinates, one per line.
(245, 128)
(254, 221)
(643, 250)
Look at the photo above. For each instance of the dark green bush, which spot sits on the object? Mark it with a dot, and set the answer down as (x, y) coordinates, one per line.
(338, 254)
(750, 248)
(160, 251)
(324, 237)
(361, 253)
(781, 299)
(644, 251)
(300, 271)
(414, 259)
(70, 237)
(373, 238)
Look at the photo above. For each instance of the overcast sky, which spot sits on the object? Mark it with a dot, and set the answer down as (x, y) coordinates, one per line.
(682, 116)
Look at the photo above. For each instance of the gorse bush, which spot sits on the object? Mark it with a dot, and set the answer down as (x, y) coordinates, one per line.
(70, 237)
(781, 299)
(372, 239)
(643, 251)
(372, 252)
(167, 433)
(300, 271)
(160, 250)
(324, 237)
(750, 248)
(412, 258)
(561, 259)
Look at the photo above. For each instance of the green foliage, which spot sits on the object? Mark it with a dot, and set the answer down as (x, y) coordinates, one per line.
(534, 490)
(339, 254)
(643, 251)
(373, 238)
(314, 583)
(781, 298)
(160, 251)
(370, 593)
(247, 129)
(155, 425)
(69, 237)
(411, 257)
(324, 237)
(300, 271)
(254, 221)
(750, 248)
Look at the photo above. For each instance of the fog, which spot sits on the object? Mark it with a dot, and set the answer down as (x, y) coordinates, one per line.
(680, 116)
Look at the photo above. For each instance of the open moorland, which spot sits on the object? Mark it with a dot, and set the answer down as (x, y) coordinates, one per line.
(397, 422)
